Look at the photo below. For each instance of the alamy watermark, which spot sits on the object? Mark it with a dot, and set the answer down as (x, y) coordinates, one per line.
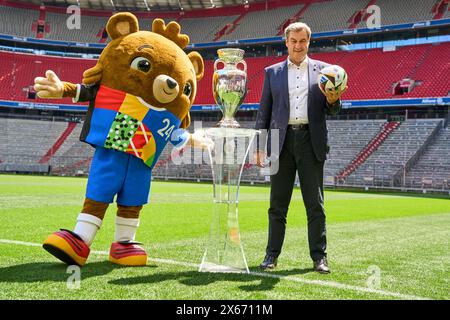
(74, 20)
(374, 277)
(74, 280)
(374, 19)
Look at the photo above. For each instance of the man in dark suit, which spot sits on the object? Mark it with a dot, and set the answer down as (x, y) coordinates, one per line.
(293, 104)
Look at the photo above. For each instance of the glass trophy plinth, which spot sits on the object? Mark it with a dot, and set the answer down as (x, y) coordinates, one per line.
(224, 251)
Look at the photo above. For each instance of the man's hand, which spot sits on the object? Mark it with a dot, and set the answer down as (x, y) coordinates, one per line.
(260, 158)
(199, 141)
(333, 95)
(49, 87)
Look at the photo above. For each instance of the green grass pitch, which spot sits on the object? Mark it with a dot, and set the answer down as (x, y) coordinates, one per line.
(405, 238)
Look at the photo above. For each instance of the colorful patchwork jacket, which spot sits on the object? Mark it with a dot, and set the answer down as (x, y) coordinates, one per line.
(123, 122)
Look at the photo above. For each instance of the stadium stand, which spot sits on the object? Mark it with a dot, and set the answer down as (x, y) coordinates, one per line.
(24, 142)
(389, 67)
(394, 153)
(337, 14)
(447, 13)
(427, 65)
(440, 9)
(370, 148)
(411, 11)
(195, 27)
(73, 157)
(433, 167)
(260, 24)
(17, 72)
(406, 72)
(58, 143)
(253, 23)
(425, 71)
(347, 139)
(9, 17)
(90, 31)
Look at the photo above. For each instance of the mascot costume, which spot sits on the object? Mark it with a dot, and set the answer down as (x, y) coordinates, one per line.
(140, 93)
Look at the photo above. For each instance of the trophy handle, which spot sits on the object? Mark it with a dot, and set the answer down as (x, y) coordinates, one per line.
(215, 64)
(245, 65)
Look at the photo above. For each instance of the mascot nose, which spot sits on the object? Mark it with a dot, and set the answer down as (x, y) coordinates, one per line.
(170, 83)
(165, 88)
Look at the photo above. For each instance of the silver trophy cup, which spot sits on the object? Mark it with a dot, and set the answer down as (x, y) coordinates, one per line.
(229, 84)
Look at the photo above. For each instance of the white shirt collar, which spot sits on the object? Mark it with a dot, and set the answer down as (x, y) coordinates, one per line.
(304, 63)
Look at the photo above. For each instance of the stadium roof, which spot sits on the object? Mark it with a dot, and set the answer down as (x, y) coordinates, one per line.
(144, 5)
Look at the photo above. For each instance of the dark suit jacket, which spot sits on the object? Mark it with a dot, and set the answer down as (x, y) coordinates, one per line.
(274, 108)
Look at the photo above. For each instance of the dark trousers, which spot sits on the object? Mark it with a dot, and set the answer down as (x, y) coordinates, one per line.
(297, 155)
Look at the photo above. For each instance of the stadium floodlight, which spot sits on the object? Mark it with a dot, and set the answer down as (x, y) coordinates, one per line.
(113, 5)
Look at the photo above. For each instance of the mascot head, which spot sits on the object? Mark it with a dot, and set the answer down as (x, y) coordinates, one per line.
(149, 64)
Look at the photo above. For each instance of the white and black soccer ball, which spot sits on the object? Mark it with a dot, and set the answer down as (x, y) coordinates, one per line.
(332, 77)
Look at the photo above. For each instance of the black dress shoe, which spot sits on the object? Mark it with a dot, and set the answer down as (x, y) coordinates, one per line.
(270, 262)
(321, 266)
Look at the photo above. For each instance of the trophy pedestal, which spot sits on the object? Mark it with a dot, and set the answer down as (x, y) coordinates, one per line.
(224, 251)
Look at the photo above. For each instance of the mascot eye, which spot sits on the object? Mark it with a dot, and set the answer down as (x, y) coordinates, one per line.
(187, 89)
(141, 64)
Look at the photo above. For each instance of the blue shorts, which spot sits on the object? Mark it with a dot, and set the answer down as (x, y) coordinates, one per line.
(118, 173)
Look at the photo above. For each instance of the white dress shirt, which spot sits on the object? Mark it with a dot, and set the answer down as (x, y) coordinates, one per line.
(298, 84)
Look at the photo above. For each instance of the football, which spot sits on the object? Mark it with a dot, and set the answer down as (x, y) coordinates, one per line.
(332, 77)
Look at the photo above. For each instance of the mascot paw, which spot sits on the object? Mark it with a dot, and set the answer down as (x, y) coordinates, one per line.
(67, 247)
(127, 254)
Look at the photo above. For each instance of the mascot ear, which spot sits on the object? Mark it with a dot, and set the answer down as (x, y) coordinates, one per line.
(197, 62)
(186, 121)
(122, 24)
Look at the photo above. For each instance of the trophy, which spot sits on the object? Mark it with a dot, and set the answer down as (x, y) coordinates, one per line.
(224, 251)
(229, 84)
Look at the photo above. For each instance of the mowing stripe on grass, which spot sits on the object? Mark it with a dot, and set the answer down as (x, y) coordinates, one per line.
(331, 284)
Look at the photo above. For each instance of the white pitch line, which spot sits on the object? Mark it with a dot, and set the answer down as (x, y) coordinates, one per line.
(29, 244)
(338, 285)
(156, 260)
(104, 253)
(331, 284)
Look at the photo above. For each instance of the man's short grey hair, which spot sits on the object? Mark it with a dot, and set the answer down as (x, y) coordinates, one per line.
(297, 26)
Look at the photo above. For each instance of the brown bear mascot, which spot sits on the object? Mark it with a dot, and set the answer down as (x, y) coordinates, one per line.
(140, 93)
